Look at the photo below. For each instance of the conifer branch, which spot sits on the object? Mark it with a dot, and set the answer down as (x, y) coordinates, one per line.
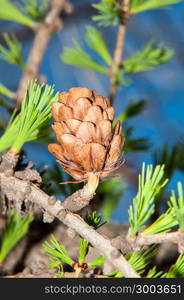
(127, 243)
(12, 187)
(118, 52)
(175, 237)
(41, 40)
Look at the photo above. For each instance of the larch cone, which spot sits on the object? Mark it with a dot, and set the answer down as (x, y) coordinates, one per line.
(87, 141)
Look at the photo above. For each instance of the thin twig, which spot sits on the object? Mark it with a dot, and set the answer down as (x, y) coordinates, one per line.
(43, 35)
(118, 52)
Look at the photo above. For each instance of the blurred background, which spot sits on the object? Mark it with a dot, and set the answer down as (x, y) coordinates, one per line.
(163, 88)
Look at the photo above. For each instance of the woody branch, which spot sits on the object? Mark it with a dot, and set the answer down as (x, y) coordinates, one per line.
(129, 243)
(17, 191)
(42, 37)
(118, 52)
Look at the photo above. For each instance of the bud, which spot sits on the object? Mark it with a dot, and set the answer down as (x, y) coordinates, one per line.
(88, 142)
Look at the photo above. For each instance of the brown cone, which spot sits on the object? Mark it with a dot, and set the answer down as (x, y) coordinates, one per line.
(88, 143)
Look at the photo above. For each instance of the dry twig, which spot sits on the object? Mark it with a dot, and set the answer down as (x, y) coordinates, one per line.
(22, 191)
(11, 187)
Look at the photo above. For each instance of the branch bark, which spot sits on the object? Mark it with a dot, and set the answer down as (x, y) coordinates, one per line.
(176, 237)
(118, 52)
(127, 243)
(43, 35)
(16, 190)
(82, 197)
(11, 187)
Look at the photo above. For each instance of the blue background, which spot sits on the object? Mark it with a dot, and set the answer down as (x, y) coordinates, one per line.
(162, 120)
